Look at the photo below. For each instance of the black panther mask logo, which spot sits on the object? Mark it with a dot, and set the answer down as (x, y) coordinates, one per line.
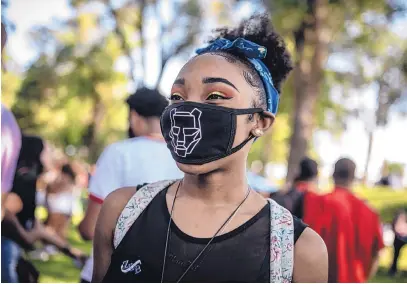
(185, 131)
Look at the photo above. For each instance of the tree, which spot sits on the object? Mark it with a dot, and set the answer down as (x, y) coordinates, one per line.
(175, 34)
(310, 29)
(73, 93)
(377, 65)
(4, 19)
(272, 146)
(66, 91)
(308, 77)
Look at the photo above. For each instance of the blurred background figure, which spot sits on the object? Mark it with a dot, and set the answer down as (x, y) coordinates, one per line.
(305, 182)
(33, 159)
(10, 149)
(144, 158)
(10, 141)
(400, 238)
(20, 228)
(307, 178)
(60, 200)
(350, 228)
(260, 184)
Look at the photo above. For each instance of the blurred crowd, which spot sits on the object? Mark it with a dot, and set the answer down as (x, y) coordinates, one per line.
(43, 177)
(351, 229)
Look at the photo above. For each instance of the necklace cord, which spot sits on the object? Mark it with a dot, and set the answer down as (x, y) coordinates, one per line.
(168, 233)
(207, 245)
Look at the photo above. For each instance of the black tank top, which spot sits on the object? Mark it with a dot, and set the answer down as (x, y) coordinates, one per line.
(242, 255)
(24, 185)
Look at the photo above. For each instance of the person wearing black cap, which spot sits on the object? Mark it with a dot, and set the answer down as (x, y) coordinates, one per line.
(145, 108)
(144, 158)
(305, 182)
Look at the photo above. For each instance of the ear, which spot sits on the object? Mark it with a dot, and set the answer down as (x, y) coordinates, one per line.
(134, 117)
(133, 114)
(263, 122)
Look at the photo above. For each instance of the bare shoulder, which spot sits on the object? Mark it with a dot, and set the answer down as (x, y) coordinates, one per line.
(120, 197)
(112, 207)
(114, 204)
(310, 258)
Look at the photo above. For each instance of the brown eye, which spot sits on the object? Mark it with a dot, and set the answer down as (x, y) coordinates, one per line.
(216, 96)
(176, 97)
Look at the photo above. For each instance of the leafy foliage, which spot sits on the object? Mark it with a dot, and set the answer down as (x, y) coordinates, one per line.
(74, 94)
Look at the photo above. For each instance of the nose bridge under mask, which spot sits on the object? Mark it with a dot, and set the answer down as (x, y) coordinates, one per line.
(199, 133)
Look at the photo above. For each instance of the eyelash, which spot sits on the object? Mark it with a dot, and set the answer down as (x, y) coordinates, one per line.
(217, 96)
(176, 97)
(214, 95)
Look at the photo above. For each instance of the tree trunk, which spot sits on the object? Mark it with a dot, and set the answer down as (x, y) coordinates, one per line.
(311, 51)
(143, 44)
(90, 139)
(368, 157)
(177, 47)
(123, 41)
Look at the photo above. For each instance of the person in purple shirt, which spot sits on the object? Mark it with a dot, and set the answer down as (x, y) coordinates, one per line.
(10, 143)
(10, 148)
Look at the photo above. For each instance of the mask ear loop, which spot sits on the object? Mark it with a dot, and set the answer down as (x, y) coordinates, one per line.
(241, 145)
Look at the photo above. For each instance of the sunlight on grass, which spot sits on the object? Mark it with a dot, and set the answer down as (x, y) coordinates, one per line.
(61, 268)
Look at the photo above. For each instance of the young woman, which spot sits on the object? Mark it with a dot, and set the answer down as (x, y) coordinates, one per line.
(210, 226)
(60, 200)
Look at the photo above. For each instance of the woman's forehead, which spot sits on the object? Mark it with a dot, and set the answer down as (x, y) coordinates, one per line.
(205, 69)
(212, 65)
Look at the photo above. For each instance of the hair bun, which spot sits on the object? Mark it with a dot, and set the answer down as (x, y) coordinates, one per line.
(258, 29)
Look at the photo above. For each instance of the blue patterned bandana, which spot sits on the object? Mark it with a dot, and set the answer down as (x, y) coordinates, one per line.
(254, 53)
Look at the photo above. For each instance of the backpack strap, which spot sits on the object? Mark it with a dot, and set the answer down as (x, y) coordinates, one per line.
(136, 205)
(281, 244)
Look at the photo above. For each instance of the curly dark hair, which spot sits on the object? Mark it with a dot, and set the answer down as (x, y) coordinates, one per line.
(67, 169)
(258, 29)
(30, 155)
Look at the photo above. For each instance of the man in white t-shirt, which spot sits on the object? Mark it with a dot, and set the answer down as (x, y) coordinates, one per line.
(142, 159)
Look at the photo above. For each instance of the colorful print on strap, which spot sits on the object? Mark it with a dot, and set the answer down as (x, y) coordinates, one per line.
(136, 206)
(281, 244)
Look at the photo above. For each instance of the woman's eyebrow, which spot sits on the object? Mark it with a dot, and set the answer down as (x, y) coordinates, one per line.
(179, 81)
(211, 80)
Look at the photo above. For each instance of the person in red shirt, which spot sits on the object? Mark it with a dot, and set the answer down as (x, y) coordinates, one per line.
(305, 182)
(350, 228)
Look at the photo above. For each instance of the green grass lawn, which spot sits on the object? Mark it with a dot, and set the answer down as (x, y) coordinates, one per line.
(385, 201)
(61, 268)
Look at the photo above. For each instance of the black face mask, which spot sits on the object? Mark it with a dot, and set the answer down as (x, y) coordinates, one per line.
(198, 133)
